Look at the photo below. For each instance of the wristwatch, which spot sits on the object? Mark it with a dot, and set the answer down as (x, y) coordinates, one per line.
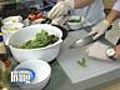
(110, 53)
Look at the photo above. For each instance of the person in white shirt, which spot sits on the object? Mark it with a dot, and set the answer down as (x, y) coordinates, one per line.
(92, 10)
(102, 26)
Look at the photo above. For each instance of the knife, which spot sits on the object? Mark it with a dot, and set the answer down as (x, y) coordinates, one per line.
(82, 42)
(87, 39)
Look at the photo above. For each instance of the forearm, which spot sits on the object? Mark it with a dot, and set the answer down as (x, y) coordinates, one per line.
(115, 12)
(113, 16)
(82, 3)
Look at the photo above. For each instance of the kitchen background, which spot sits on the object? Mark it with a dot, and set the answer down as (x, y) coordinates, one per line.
(9, 7)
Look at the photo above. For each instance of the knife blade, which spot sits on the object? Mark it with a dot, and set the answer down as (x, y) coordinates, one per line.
(86, 28)
(82, 42)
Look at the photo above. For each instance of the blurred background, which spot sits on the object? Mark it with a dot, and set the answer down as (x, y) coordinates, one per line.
(11, 7)
(22, 7)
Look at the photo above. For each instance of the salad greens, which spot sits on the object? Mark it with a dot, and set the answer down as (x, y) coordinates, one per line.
(42, 39)
(82, 62)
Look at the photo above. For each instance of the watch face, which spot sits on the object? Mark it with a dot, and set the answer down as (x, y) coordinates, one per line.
(110, 52)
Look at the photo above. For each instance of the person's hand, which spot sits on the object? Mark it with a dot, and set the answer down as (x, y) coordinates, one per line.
(57, 21)
(117, 52)
(61, 8)
(99, 29)
(60, 20)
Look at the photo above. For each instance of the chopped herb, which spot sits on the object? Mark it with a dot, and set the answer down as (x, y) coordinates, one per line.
(82, 62)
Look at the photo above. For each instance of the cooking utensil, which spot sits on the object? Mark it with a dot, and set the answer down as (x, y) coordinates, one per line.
(82, 42)
(86, 40)
(86, 28)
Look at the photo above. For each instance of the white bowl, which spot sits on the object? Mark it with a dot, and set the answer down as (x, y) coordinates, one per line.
(9, 29)
(42, 72)
(76, 25)
(12, 19)
(47, 53)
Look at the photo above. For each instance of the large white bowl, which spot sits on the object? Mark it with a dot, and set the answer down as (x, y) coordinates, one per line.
(47, 53)
(42, 72)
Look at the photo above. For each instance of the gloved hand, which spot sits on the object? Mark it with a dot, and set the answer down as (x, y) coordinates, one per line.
(57, 21)
(60, 20)
(99, 29)
(61, 8)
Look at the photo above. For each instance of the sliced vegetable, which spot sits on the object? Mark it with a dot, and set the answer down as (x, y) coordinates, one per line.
(82, 62)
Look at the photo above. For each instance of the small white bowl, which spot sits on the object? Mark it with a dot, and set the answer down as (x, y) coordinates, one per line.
(76, 25)
(9, 29)
(42, 72)
(12, 19)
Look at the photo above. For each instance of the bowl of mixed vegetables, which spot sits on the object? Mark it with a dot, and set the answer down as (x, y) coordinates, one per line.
(40, 41)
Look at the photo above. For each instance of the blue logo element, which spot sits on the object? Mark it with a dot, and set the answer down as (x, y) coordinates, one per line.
(22, 76)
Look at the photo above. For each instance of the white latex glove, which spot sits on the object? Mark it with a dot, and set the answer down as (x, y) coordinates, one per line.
(57, 21)
(61, 8)
(60, 20)
(99, 29)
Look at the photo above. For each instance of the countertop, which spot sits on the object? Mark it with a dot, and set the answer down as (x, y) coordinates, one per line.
(59, 80)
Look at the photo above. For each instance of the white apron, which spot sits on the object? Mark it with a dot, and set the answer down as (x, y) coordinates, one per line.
(93, 13)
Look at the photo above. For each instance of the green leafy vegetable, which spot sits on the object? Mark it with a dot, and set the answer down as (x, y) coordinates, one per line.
(82, 62)
(42, 39)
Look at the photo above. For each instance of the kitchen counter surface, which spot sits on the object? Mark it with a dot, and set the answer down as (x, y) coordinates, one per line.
(60, 81)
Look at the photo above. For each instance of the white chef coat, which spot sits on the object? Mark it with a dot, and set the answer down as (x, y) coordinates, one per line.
(117, 6)
(93, 13)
